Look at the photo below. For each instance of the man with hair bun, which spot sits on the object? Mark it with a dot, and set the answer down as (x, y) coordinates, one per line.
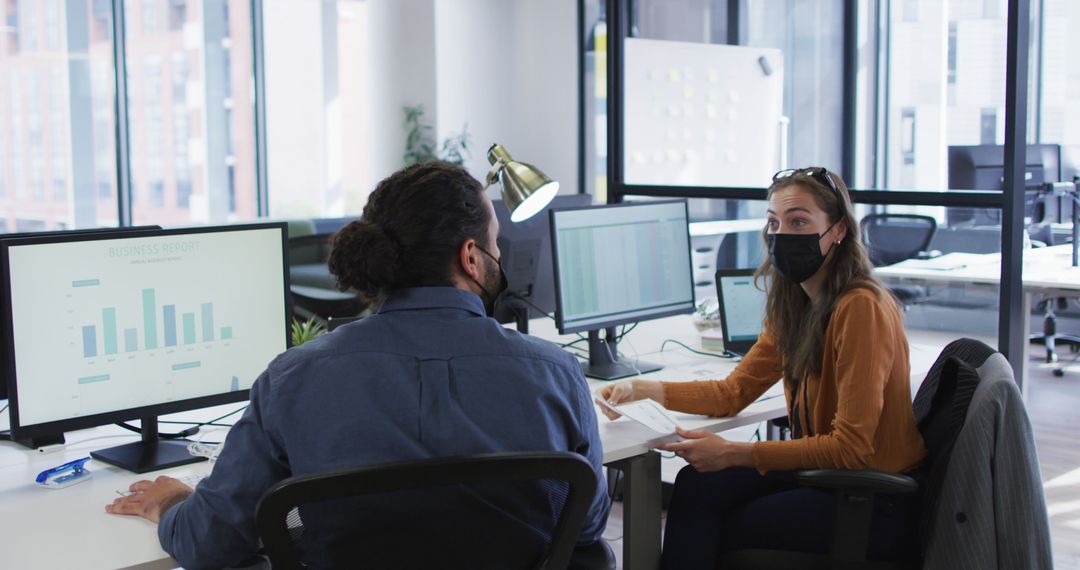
(427, 375)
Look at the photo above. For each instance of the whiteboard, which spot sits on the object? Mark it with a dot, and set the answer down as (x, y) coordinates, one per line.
(701, 114)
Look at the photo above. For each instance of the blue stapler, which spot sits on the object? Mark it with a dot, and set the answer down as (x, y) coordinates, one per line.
(64, 475)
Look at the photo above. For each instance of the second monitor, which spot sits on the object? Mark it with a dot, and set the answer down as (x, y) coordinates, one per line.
(525, 248)
(619, 264)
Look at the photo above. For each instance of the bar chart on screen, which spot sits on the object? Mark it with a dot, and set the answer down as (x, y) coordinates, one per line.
(140, 320)
(102, 338)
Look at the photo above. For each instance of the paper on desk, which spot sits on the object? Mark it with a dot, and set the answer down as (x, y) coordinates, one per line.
(646, 412)
(954, 260)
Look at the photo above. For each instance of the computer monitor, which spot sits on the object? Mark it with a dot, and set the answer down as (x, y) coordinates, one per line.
(742, 308)
(619, 264)
(525, 248)
(108, 328)
(982, 167)
(24, 235)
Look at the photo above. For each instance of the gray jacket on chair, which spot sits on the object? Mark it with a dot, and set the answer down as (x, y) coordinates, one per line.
(991, 511)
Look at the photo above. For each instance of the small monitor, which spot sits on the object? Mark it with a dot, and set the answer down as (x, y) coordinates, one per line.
(620, 264)
(742, 308)
(108, 328)
(525, 248)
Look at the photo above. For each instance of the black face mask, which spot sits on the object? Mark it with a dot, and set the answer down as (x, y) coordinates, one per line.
(489, 297)
(797, 256)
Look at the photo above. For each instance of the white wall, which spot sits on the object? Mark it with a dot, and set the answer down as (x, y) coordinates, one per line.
(508, 68)
(474, 55)
(402, 72)
(545, 72)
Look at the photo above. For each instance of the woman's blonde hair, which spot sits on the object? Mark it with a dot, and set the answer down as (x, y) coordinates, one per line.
(797, 324)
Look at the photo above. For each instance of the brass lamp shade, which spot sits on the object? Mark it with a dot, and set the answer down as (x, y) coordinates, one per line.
(525, 189)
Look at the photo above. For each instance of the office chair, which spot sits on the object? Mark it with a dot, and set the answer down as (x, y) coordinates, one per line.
(892, 238)
(941, 406)
(1042, 235)
(429, 514)
(313, 288)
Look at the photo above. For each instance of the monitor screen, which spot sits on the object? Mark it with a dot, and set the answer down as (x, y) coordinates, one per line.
(742, 308)
(621, 263)
(27, 235)
(107, 328)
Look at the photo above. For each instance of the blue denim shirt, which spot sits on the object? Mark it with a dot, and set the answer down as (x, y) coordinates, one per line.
(428, 375)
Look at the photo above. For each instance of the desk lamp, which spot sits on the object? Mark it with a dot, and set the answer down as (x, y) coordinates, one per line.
(525, 190)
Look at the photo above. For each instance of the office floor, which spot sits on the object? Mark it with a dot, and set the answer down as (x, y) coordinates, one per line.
(1052, 406)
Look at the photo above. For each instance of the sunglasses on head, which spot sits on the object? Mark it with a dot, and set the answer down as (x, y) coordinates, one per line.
(819, 173)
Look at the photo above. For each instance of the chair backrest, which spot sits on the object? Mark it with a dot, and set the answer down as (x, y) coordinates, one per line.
(309, 249)
(940, 407)
(409, 535)
(892, 238)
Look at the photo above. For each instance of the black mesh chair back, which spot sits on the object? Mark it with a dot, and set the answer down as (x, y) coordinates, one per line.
(892, 238)
(456, 512)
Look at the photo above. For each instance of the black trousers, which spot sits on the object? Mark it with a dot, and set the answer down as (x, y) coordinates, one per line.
(738, 508)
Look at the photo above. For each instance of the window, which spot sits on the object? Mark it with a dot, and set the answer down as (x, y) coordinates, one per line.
(945, 66)
(56, 117)
(808, 129)
(317, 59)
(810, 34)
(594, 81)
(181, 129)
(952, 53)
(1059, 94)
(988, 126)
(907, 135)
(192, 126)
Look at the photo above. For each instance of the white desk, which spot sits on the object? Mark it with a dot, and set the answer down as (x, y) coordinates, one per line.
(1047, 272)
(32, 518)
(69, 528)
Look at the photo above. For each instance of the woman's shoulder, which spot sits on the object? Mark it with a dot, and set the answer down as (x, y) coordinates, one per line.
(864, 296)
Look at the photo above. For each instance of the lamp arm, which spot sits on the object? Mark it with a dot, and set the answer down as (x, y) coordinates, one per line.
(493, 174)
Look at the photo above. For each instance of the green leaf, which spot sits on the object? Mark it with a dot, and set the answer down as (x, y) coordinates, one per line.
(306, 331)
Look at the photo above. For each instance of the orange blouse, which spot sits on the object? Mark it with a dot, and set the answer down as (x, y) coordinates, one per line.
(860, 413)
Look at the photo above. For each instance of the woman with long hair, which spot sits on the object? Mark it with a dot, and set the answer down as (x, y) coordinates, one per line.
(836, 337)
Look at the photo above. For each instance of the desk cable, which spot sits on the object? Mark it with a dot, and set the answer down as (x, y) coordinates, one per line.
(194, 429)
(725, 354)
(517, 297)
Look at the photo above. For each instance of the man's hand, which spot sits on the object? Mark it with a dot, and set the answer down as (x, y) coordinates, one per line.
(150, 499)
(706, 451)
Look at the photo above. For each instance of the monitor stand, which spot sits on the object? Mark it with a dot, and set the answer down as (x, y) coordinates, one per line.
(605, 363)
(149, 454)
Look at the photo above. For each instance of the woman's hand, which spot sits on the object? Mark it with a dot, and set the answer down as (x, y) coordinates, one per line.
(706, 451)
(628, 391)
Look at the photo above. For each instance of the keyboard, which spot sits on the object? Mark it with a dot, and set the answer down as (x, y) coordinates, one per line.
(188, 478)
